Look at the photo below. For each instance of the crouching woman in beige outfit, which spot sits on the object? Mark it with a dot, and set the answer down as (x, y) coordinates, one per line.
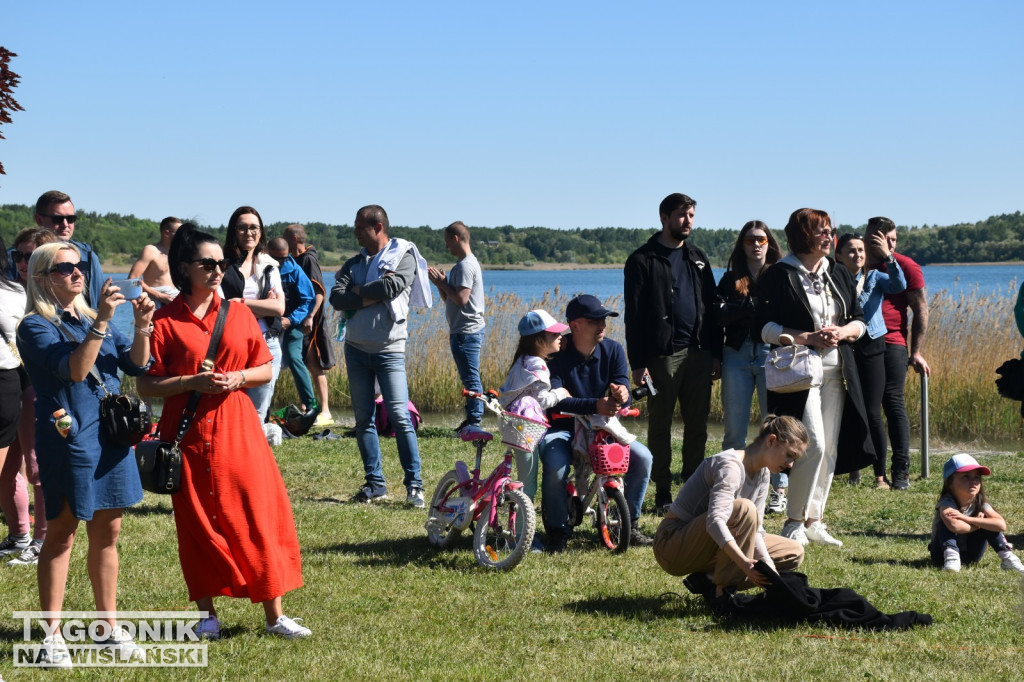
(714, 529)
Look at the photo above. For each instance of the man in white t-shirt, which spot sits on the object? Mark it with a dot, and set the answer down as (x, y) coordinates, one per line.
(462, 291)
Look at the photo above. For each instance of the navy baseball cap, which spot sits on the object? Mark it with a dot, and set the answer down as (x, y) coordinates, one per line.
(587, 306)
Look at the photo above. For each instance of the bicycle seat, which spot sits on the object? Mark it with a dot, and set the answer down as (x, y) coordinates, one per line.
(474, 433)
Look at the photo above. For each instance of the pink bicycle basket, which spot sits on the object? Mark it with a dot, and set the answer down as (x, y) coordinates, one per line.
(608, 458)
(521, 433)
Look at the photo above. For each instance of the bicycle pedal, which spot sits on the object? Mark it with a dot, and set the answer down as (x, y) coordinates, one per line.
(435, 525)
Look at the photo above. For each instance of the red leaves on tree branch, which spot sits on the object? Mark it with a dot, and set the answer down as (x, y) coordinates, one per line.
(8, 81)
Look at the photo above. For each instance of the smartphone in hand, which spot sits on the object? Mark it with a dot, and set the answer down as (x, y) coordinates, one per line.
(131, 289)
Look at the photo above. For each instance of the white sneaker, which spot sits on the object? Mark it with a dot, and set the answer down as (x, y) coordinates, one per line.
(288, 628)
(28, 557)
(14, 544)
(415, 498)
(816, 532)
(122, 644)
(776, 502)
(54, 653)
(208, 628)
(1012, 563)
(794, 530)
(951, 561)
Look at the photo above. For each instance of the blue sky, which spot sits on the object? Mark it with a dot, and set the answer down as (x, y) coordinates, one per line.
(561, 114)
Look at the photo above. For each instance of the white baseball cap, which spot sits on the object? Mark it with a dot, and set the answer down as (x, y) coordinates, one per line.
(537, 321)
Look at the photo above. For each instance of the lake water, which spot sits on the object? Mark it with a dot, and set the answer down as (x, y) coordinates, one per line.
(532, 285)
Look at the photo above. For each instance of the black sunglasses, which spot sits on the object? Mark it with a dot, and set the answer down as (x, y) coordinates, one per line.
(18, 256)
(67, 269)
(58, 218)
(209, 264)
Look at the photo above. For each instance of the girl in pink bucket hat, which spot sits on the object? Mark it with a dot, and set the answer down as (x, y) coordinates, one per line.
(965, 523)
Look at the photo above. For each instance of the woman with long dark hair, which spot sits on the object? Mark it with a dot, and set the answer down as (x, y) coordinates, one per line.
(743, 353)
(254, 281)
(804, 299)
(236, 534)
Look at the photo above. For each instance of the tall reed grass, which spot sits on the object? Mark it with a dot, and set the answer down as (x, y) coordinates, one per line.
(969, 336)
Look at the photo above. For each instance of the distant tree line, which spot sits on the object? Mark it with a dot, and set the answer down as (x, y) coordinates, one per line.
(120, 238)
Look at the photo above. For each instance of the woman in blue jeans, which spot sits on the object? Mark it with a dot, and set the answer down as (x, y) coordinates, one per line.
(743, 353)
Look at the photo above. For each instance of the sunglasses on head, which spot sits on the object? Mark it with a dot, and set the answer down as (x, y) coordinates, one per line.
(18, 256)
(67, 269)
(209, 264)
(750, 241)
(60, 218)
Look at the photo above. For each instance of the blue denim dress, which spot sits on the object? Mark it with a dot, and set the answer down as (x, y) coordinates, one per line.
(85, 467)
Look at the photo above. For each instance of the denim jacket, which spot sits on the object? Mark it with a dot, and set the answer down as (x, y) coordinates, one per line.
(876, 285)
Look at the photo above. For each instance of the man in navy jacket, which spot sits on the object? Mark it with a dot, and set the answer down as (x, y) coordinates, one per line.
(593, 369)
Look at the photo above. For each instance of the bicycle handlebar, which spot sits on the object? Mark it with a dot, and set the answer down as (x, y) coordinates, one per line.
(489, 399)
(621, 412)
(466, 393)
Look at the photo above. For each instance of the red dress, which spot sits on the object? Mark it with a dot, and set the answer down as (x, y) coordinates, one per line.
(236, 534)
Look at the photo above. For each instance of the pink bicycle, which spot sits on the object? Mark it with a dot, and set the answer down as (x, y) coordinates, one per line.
(504, 516)
(598, 479)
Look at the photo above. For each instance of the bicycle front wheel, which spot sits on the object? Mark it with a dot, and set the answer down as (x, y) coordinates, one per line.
(613, 521)
(501, 545)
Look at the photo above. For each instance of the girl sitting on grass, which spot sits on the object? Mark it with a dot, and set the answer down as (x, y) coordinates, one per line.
(964, 520)
(527, 388)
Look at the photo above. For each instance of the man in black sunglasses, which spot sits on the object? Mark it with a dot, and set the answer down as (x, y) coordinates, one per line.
(56, 213)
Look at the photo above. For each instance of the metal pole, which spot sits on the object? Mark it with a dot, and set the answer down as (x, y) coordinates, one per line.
(924, 425)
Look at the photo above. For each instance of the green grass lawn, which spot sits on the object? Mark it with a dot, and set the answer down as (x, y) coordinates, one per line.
(383, 604)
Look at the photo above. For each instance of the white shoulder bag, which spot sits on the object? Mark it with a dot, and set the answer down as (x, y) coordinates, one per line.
(789, 369)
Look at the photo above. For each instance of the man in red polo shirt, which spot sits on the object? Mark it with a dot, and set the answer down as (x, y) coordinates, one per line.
(897, 354)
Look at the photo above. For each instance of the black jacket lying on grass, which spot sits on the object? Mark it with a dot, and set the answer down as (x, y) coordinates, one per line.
(790, 599)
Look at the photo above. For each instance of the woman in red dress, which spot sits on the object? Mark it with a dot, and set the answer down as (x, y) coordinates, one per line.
(236, 535)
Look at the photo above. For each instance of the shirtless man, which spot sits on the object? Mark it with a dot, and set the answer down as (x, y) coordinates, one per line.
(152, 265)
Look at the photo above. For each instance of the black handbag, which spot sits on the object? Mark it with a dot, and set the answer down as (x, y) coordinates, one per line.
(159, 465)
(159, 461)
(125, 419)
